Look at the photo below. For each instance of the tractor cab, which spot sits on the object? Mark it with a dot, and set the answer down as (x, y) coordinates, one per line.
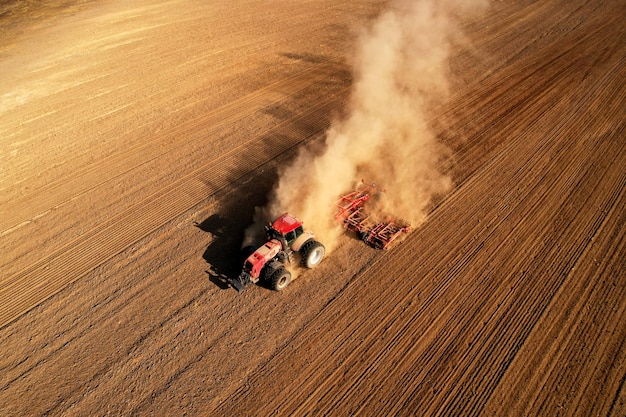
(286, 229)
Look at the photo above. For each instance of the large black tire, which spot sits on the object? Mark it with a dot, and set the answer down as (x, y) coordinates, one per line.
(279, 279)
(269, 269)
(312, 253)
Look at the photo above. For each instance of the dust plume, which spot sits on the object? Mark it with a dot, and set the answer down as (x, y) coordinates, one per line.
(400, 72)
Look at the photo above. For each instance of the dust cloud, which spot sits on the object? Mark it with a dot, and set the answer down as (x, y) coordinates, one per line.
(401, 74)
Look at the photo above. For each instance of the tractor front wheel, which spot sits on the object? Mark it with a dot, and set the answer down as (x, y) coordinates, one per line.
(312, 253)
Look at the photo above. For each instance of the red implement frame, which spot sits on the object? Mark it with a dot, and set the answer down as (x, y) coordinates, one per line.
(353, 216)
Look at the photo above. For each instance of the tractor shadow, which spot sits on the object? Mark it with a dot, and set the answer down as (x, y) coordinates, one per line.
(248, 186)
(223, 254)
(227, 225)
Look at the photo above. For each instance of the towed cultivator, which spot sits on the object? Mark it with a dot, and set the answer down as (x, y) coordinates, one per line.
(354, 217)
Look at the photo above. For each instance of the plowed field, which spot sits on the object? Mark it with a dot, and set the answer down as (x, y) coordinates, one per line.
(136, 138)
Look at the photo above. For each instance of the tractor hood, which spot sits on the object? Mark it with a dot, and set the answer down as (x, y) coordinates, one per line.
(255, 262)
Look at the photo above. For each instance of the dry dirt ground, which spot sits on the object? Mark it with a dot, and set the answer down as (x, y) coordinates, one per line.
(137, 137)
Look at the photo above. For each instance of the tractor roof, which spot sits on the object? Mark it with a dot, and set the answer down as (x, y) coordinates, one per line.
(286, 223)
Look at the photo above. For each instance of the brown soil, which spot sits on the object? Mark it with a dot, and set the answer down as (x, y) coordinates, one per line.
(135, 141)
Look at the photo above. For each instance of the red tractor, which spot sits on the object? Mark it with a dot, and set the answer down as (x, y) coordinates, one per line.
(285, 237)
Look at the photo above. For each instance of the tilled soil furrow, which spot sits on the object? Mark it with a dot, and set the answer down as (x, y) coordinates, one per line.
(460, 267)
(460, 313)
(451, 381)
(551, 364)
(536, 295)
(574, 254)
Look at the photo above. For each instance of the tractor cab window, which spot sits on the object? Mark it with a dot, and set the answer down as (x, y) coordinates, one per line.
(293, 235)
(290, 237)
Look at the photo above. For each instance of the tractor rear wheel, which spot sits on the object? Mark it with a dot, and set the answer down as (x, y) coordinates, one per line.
(279, 279)
(312, 253)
